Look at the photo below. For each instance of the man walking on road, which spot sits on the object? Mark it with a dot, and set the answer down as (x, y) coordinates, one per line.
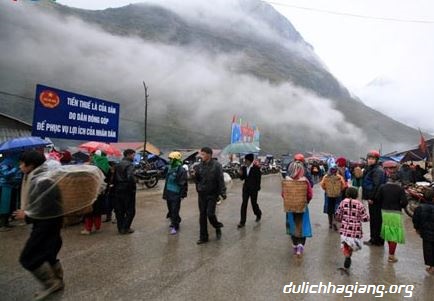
(209, 185)
(251, 174)
(125, 193)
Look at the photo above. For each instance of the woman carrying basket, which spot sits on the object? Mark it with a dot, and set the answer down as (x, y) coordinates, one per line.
(297, 221)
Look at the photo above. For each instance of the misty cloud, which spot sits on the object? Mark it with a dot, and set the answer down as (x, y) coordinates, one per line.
(72, 55)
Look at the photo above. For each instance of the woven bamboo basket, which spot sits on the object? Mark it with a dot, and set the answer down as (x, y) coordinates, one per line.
(294, 195)
(79, 191)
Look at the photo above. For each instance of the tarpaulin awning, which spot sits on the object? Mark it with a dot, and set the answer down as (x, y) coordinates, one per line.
(137, 146)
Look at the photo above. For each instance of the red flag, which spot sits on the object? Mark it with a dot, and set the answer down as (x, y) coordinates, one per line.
(422, 144)
(233, 119)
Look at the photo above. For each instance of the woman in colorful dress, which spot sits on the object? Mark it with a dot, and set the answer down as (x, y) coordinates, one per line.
(298, 224)
(392, 198)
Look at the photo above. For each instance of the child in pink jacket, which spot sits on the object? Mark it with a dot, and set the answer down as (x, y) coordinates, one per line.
(351, 213)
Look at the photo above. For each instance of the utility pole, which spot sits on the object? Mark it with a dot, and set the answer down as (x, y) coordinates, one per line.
(146, 122)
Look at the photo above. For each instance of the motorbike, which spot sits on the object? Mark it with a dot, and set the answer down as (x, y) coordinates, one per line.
(232, 169)
(415, 197)
(146, 175)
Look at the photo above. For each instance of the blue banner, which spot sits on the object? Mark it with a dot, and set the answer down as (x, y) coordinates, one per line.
(67, 115)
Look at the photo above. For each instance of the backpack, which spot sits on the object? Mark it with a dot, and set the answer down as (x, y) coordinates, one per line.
(333, 186)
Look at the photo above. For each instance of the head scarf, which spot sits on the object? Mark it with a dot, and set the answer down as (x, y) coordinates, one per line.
(101, 162)
(175, 163)
(295, 170)
(333, 169)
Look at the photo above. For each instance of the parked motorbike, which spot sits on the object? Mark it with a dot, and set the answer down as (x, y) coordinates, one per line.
(145, 175)
(232, 169)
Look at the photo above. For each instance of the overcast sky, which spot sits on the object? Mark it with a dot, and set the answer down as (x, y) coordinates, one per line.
(397, 56)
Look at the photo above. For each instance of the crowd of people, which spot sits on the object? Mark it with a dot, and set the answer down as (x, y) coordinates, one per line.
(363, 195)
(352, 196)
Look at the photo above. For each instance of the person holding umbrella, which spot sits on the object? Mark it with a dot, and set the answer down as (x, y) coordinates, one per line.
(93, 219)
(10, 177)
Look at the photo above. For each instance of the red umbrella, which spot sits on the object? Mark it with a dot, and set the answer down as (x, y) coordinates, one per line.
(92, 146)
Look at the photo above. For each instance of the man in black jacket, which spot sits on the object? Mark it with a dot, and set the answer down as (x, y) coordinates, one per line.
(373, 178)
(423, 221)
(210, 185)
(251, 174)
(125, 192)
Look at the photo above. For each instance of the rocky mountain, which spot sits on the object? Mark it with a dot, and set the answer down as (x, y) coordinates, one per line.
(203, 63)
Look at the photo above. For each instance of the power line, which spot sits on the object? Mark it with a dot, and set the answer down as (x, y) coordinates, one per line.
(15, 95)
(318, 10)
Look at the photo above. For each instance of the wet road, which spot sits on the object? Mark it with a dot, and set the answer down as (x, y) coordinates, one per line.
(253, 263)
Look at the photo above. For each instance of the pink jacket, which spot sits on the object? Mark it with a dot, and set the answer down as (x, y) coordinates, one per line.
(351, 213)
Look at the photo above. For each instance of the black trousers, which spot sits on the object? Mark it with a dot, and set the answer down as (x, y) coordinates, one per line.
(375, 222)
(207, 206)
(331, 206)
(174, 206)
(253, 195)
(298, 240)
(125, 209)
(428, 252)
(43, 244)
(109, 204)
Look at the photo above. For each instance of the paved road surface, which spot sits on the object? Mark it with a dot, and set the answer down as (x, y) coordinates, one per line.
(253, 263)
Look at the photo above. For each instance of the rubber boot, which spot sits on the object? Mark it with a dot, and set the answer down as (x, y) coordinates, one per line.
(45, 275)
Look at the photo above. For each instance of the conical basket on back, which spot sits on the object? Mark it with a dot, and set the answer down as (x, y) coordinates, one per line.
(294, 195)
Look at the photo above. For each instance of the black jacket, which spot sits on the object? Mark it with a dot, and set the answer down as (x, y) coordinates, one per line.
(373, 178)
(406, 175)
(252, 182)
(423, 221)
(124, 179)
(209, 178)
(392, 196)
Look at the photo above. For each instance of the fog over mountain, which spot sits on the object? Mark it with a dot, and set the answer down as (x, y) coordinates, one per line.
(203, 63)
